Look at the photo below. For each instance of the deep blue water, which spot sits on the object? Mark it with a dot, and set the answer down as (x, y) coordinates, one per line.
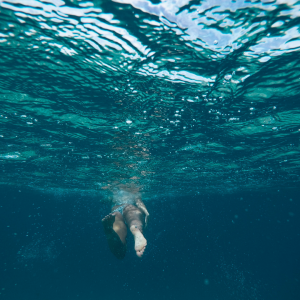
(245, 246)
(195, 104)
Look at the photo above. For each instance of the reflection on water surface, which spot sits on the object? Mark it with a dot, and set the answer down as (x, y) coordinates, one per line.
(172, 96)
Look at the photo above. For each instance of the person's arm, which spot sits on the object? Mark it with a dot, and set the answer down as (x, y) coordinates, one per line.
(140, 204)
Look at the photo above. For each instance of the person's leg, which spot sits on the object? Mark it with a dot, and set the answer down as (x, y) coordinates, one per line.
(116, 232)
(135, 219)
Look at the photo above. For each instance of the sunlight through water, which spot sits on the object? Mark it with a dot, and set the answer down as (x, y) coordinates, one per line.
(175, 96)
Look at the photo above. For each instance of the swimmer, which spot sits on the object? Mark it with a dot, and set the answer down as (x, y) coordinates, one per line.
(127, 209)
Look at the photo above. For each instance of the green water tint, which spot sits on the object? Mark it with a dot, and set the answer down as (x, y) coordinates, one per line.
(174, 98)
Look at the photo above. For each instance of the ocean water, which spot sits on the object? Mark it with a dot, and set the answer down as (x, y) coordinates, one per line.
(195, 104)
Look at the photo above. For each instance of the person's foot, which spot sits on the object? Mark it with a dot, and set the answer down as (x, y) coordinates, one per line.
(116, 246)
(139, 241)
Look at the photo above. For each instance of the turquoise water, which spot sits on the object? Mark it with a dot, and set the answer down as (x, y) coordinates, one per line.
(193, 105)
(172, 96)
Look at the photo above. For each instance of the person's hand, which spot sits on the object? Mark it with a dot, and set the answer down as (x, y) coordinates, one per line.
(143, 208)
(146, 218)
(145, 211)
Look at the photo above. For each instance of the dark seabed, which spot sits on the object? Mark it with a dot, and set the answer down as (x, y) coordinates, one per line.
(194, 103)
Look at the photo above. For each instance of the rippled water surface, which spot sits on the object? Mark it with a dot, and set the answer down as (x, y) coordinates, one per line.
(174, 96)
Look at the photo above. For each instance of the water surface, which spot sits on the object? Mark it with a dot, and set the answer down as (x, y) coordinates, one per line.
(172, 96)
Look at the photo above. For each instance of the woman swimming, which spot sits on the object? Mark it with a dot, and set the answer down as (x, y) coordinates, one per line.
(127, 208)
